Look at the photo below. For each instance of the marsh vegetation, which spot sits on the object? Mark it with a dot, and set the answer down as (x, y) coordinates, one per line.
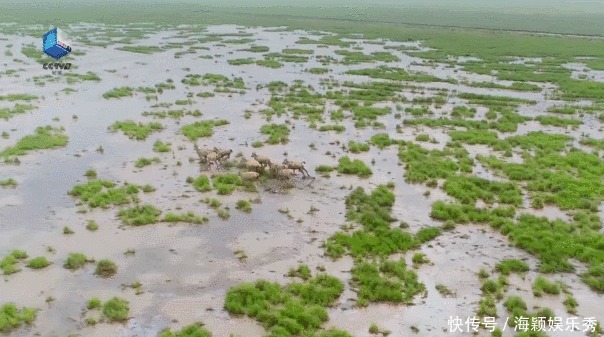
(497, 136)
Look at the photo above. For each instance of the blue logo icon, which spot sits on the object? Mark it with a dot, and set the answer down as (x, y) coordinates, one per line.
(53, 46)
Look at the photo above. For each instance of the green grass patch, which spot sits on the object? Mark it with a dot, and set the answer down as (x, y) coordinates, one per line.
(381, 140)
(297, 51)
(193, 330)
(202, 129)
(377, 238)
(11, 317)
(544, 286)
(494, 101)
(10, 263)
(138, 131)
(397, 74)
(277, 133)
(161, 147)
(517, 86)
(226, 183)
(289, 310)
(356, 147)
(18, 97)
(423, 165)
(173, 113)
(201, 184)
(238, 41)
(10, 182)
(141, 49)
(105, 268)
(94, 303)
(8, 113)
(336, 128)
(257, 49)
(44, 138)
(356, 57)
(244, 206)
(76, 261)
(557, 121)
(39, 262)
(241, 61)
(390, 281)
(119, 93)
(318, 71)
(139, 215)
(463, 112)
(92, 226)
(328, 40)
(116, 309)
(188, 217)
(142, 161)
(469, 189)
(508, 266)
(356, 167)
(103, 193)
(269, 63)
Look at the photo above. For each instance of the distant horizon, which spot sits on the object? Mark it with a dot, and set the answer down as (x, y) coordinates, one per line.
(542, 16)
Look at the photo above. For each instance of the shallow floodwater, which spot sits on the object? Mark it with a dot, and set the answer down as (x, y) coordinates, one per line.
(187, 269)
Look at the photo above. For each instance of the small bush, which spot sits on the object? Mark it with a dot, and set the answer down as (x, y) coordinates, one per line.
(202, 184)
(19, 254)
(226, 183)
(75, 261)
(92, 226)
(355, 147)
(374, 329)
(244, 205)
(487, 307)
(419, 258)
(356, 167)
(542, 285)
(571, 304)
(160, 146)
(223, 213)
(140, 215)
(116, 309)
(39, 262)
(511, 266)
(106, 268)
(194, 330)
(201, 129)
(381, 140)
(424, 137)
(324, 168)
(142, 162)
(9, 265)
(12, 317)
(302, 272)
(94, 303)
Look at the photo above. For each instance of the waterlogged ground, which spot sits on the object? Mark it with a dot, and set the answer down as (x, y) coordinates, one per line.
(186, 269)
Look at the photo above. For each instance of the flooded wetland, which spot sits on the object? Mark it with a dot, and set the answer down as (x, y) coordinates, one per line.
(231, 180)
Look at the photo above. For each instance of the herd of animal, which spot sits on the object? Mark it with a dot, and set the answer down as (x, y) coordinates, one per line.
(255, 166)
(210, 156)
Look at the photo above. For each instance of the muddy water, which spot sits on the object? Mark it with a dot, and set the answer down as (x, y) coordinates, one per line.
(187, 269)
